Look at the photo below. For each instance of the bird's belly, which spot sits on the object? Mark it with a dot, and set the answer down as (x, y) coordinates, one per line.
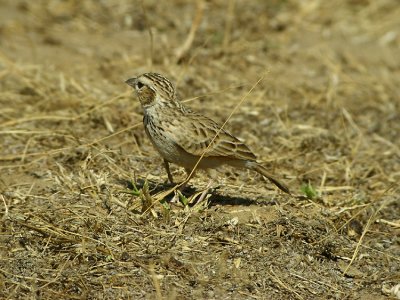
(176, 155)
(169, 150)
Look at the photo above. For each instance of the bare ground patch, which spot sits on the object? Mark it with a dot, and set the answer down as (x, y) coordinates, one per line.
(326, 116)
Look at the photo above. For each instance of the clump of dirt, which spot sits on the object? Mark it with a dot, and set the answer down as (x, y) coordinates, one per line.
(85, 210)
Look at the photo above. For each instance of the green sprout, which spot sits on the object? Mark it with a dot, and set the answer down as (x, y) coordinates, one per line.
(309, 191)
(135, 191)
(183, 199)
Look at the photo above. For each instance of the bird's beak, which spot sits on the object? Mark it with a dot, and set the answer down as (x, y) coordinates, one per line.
(131, 82)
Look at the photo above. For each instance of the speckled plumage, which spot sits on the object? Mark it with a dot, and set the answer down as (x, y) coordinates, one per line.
(181, 136)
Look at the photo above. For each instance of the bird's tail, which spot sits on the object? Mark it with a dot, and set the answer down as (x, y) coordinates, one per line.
(263, 171)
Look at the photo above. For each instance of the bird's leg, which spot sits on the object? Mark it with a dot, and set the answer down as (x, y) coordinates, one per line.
(189, 173)
(166, 165)
(182, 186)
(184, 183)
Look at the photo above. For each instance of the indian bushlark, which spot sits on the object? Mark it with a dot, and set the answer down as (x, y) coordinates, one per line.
(181, 135)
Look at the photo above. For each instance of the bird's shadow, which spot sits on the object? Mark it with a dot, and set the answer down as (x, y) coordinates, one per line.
(215, 199)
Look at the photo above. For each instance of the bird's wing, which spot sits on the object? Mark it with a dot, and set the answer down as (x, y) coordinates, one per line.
(197, 132)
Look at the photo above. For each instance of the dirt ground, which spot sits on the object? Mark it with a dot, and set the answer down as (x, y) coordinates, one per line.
(85, 211)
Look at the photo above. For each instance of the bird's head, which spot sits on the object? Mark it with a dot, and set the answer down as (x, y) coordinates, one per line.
(152, 88)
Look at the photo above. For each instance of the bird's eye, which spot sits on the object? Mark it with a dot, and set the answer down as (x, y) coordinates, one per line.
(139, 85)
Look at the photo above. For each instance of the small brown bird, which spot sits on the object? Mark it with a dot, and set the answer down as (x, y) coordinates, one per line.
(181, 136)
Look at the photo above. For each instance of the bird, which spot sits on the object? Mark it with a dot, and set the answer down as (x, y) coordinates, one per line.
(182, 136)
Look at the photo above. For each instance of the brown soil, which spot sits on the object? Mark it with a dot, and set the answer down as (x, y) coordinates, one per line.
(326, 114)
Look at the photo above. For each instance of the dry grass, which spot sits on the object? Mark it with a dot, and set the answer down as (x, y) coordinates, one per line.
(325, 118)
